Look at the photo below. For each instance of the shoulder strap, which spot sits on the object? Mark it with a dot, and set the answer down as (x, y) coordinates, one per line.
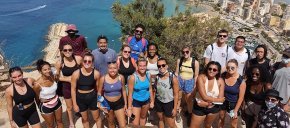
(180, 63)
(240, 79)
(119, 61)
(171, 79)
(193, 64)
(143, 42)
(227, 53)
(211, 49)
(249, 54)
(129, 39)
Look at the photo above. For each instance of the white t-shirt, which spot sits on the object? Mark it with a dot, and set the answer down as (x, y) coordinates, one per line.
(242, 59)
(218, 54)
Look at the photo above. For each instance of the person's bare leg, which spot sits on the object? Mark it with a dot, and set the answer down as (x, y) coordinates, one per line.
(209, 120)
(85, 119)
(161, 120)
(143, 114)
(222, 116)
(196, 121)
(68, 103)
(97, 118)
(49, 119)
(120, 115)
(136, 111)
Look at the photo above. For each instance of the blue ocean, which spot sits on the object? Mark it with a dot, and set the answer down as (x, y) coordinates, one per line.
(23, 25)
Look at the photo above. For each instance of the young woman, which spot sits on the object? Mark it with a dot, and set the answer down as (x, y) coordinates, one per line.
(152, 58)
(84, 82)
(254, 97)
(45, 89)
(65, 68)
(140, 96)
(210, 91)
(126, 64)
(23, 109)
(187, 70)
(166, 98)
(115, 94)
(234, 93)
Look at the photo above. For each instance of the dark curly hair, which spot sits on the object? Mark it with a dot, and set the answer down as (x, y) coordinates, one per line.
(213, 63)
(264, 74)
(40, 63)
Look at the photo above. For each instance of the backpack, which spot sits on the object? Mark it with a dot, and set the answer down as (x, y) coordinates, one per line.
(136, 77)
(171, 74)
(142, 40)
(192, 64)
(249, 53)
(227, 51)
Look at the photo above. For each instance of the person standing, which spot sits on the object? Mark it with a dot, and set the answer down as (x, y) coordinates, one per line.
(23, 109)
(78, 42)
(103, 55)
(261, 52)
(219, 51)
(137, 42)
(241, 54)
(49, 103)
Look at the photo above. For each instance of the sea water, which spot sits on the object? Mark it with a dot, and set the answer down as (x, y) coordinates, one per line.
(24, 24)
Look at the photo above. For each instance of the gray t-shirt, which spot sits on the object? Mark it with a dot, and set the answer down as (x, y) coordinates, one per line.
(102, 59)
(164, 92)
(281, 83)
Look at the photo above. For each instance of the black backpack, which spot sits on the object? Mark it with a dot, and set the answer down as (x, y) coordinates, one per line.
(192, 64)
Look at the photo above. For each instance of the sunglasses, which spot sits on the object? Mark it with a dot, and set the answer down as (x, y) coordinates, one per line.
(271, 99)
(183, 52)
(257, 74)
(127, 51)
(212, 69)
(138, 31)
(113, 62)
(67, 50)
(88, 61)
(231, 68)
(162, 65)
(224, 36)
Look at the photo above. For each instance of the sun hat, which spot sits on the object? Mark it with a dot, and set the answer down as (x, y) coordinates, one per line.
(273, 93)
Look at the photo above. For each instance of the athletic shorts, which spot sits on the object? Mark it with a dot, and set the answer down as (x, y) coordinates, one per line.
(166, 108)
(186, 85)
(139, 104)
(45, 110)
(21, 117)
(66, 90)
(87, 101)
(228, 106)
(202, 111)
(119, 104)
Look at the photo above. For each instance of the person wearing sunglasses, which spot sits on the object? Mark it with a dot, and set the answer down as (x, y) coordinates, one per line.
(64, 69)
(208, 95)
(103, 55)
(78, 42)
(45, 88)
(187, 70)
(84, 83)
(166, 96)
(140, 96)
(20, 98)
(257, 85)
(112, 85)
(137, 42)
(126, 64)
(234, 93)
(271, 115)
(219, 51)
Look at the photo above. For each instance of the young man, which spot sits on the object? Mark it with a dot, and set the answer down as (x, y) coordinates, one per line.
(138, 43)
(241, 54)
(103, 55)
(219, 51)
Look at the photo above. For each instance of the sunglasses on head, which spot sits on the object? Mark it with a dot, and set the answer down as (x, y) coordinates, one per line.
(224, 36)
(112, 62)
(273, 100)
(183, 52)
(161, 65)
(212, 69)
(88, 61)
(138, 31)
(231, 68)
(127, 51)
(67, 50)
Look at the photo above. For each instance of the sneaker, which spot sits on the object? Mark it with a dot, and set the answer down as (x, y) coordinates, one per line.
(178, 117)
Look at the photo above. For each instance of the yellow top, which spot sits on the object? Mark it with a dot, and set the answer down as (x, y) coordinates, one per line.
(186, 71)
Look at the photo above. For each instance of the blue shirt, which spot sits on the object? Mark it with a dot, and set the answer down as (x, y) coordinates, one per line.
(137, 47)
(141, 88)
(102, 59)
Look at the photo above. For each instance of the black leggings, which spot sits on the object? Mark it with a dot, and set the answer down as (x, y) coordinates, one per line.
(29, 114)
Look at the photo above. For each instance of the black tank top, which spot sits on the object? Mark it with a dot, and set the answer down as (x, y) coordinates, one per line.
(86, 82)
(257, 98)
(68, 71)
(126, 71)
(25, 99)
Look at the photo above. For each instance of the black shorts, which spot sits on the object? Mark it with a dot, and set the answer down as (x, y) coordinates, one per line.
(45, 110)
(66, 90)
(202, 111)
(119, 104)
(228, 106)
(87, 101)
(166, 108)
(29, 114)
(139, 104)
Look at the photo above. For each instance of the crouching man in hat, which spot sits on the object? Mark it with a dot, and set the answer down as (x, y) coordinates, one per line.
(271, 115)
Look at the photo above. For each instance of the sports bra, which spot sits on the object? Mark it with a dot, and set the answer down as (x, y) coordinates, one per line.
(25, 99)
(114, 89)
(48, 92)
(86, 82)
(68, 71)
(126, 71)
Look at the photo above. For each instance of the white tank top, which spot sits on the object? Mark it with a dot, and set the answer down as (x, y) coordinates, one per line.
(213, 93)
(48, 92)
(152, 68)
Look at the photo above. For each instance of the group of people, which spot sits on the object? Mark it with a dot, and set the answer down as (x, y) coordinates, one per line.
(128, 85)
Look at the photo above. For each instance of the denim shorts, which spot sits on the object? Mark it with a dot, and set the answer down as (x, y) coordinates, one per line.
(186, 85)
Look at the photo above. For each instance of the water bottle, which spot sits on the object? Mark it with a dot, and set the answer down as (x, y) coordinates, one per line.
(232, 114)
(104, 103)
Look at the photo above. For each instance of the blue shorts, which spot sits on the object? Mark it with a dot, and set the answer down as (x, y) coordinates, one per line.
(186, 85)
(139, 104)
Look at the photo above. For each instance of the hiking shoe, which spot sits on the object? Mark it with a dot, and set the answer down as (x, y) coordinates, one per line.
(178, 117)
